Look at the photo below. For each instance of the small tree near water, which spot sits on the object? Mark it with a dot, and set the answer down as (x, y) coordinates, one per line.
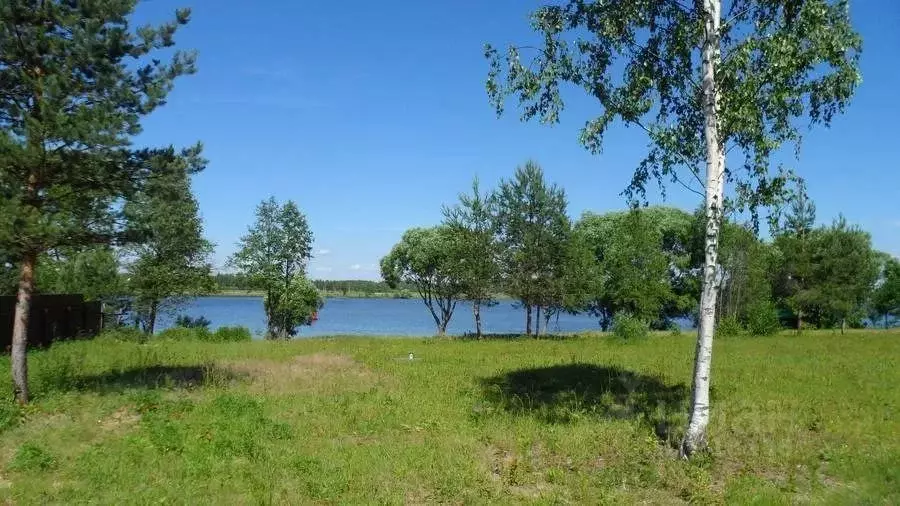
(273, 256)
(471, 225)
(425, 258)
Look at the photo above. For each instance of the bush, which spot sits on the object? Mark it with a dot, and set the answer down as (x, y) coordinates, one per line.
(126, 334)
(762, 319)
(729, 326)
(675, 329)
(232, 334)
(10, 415)
(221, 335)
(628, 327)
(185, 334)
(192, 323)
(293, 306)
(32, 457)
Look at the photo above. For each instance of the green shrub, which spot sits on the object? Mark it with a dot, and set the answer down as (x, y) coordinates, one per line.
(221, 335)
(729, 326)
(126, 334)
(10, 415)
(762, 319)
(232, 334)
(628, 327)
(675, 329)
(31, 457)
(185, 334)
(192, 323)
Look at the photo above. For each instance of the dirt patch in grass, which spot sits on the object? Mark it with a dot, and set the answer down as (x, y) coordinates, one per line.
(119, 421)
(305, 373)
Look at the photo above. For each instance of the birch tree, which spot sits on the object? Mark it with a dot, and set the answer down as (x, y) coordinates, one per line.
(708, 81)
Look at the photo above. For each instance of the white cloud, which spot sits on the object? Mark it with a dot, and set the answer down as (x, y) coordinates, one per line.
(323, 269)
(323, 252)
(355, 267)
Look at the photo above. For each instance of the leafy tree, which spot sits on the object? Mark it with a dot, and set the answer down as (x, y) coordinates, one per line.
(745, 276)
(533, 231)
(92, 272)
(76, 82)
(578, 283)
(470, 224)
(170, 262)
(845, 271)
(425, 258)
(703, 84)
(644, 260)
(273, 257)
(886, 299)
(294, 305)
(635, 269)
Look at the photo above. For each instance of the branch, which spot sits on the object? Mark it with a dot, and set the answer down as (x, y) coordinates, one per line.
(659, 58)
(734, 17)
(684, 159)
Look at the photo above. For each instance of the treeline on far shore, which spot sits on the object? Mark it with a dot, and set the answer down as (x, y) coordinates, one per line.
(643, 268)
(238, 284)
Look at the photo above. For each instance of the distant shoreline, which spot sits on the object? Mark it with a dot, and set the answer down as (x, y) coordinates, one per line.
(325, 293)
(335, 294)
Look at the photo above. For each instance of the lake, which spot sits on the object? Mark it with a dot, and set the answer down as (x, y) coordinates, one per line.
(394, 317)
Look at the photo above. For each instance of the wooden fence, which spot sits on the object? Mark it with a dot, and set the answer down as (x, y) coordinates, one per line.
(53, 318)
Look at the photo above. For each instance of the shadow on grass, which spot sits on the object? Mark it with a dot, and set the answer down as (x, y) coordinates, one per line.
(149, 378)
(566, 393)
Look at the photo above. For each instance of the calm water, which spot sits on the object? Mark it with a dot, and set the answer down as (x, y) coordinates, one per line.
(396, 317)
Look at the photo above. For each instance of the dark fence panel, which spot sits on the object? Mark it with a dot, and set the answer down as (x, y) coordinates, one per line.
(53, 318)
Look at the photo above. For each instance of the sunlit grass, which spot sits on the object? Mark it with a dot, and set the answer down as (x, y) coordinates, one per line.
(353, 420)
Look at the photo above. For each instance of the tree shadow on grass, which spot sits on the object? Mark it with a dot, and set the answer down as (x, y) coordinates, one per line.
(149, 378)
(569, 392)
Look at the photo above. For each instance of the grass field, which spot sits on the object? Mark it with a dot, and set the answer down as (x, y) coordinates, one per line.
(810, 419)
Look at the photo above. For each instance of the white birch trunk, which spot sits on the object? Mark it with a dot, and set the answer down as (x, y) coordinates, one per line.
(695, 437)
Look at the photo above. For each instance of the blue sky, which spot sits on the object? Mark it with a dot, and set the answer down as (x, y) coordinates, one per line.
(370, 115)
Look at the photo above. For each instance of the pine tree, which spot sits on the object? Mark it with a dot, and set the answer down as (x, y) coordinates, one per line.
(533, 228)
(470, 224)
(76, 81)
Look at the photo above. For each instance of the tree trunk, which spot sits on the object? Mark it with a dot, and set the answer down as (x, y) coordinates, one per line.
(843, 325)
(527, 319)
(695, 437)
(151, 318)
(537, 320)
(885, 321)
(799, 321)
(476, 311)
(19, 356)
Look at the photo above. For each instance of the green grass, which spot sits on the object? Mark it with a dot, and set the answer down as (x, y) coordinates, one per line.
(810, 419)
